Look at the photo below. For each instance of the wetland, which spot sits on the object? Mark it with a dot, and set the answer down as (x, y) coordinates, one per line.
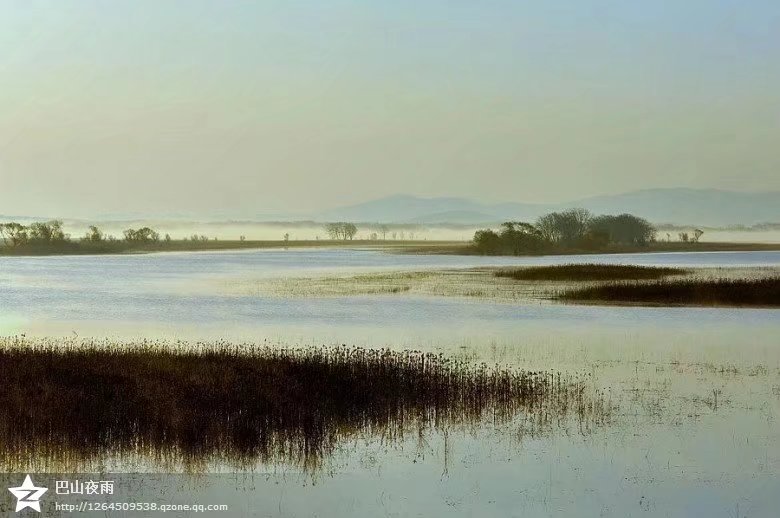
(497, 402)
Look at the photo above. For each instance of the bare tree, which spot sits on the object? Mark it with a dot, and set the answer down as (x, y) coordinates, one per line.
(341, 230)
(349, 231)
(567, 227)
(547, 227)
(333, 230)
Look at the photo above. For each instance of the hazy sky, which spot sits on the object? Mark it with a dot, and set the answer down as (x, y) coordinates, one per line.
(278, 106)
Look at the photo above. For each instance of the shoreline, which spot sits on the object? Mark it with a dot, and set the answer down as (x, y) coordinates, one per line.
(121, 248)
(399, 247)
(659, 247)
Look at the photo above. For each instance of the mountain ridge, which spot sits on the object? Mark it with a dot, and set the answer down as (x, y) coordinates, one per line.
(711, 207)
(673, 206)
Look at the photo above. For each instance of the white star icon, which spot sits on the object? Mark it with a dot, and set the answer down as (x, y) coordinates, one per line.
(28, 495)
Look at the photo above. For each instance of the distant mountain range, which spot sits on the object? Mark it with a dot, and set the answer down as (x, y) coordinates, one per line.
(706, 207)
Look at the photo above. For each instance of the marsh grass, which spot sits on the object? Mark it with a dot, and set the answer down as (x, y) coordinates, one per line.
(340, 286)
(241, 405)
(758, 292)
(589, 272)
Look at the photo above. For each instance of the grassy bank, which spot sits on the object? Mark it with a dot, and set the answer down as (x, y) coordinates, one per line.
(694, 292)
(407, 247)
(247, 404)
(657, 247)
(588, 272)
(127, 247)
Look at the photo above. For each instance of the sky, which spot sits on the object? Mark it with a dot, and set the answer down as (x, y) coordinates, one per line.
(253, 108)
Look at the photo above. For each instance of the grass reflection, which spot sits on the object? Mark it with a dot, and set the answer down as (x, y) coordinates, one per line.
(83, 402)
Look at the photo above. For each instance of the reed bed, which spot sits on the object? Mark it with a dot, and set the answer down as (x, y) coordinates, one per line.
(759, 292)
(241, 405)
(589, 272)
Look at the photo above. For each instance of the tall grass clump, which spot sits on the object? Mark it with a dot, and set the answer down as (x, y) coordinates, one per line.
(589, 272)
(701, 292)
(248, 404)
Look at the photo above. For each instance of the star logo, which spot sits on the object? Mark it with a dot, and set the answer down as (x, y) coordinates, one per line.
(28, 495)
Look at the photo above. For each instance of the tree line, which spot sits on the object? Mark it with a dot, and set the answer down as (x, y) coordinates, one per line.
(51, 234)
(347, 231)
(14, 234)
(570, 229)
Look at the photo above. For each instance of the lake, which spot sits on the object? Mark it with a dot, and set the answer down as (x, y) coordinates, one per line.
(174, 293)
(696, 391)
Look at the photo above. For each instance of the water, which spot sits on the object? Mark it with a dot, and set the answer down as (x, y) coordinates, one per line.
(87, 294)
(697, 390)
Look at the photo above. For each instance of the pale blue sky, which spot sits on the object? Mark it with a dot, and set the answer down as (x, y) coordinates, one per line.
(278, 106)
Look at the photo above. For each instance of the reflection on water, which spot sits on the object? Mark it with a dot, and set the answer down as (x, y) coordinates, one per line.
(194, 405)
(40, 293)
(695, 392)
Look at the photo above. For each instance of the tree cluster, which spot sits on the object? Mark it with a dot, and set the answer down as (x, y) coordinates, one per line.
(341, 230)
(571, 229)
(51, 233)
(15, 234)
(141, 235)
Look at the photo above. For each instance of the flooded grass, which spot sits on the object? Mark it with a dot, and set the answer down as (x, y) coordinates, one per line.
(589, 272)
(243, 404)
(511, 285)
(756, 292)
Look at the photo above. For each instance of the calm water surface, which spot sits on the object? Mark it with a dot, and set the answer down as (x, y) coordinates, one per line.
(697, 390)
(160, 291)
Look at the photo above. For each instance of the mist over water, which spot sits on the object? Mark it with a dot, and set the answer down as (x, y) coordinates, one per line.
(308, 231)
(276, 231)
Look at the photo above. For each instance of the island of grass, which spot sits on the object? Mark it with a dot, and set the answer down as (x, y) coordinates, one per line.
(589, 272)
(685, 292)
(244, 404)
